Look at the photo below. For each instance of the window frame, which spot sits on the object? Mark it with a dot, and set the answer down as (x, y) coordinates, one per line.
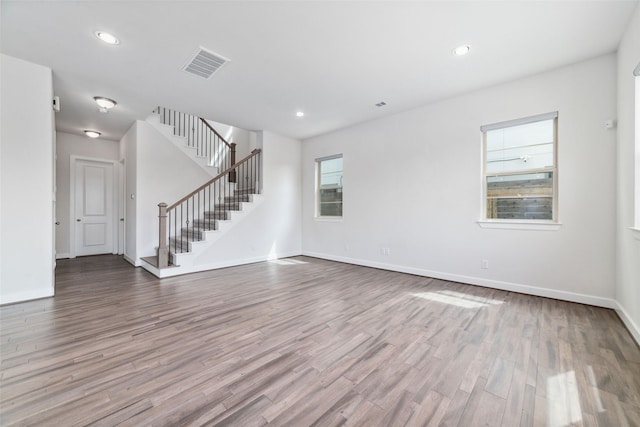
(521, 223)
(635, 228)
(318, 174)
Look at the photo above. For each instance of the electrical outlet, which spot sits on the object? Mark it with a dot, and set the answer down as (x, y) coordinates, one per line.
(485, 263)
(385, 251)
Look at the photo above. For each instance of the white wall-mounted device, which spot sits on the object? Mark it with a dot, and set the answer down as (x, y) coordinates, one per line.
(55, 104)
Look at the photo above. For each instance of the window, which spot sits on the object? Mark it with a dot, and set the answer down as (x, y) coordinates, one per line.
(329, 185)
(636, 74)
(520, 169)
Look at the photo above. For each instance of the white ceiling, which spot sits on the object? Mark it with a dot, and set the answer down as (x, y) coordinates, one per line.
(333, 59)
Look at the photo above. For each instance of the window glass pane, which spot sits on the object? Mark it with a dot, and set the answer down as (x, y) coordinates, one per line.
(331, 172)
(331, 202)
(330, 210)
(330, 187)
(331, 195)
(520, 196)
(520, 148)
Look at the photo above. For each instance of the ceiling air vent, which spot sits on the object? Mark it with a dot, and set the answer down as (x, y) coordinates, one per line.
(204, 63)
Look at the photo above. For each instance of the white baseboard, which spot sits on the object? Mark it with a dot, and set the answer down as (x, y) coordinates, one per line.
(63, 256)
(131, 260)
(177, 271)
(26, 296)
(628, 322)
(488, 283)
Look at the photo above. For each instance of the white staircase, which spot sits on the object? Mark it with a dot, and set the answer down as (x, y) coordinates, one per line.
(213, 209)
(185, 259)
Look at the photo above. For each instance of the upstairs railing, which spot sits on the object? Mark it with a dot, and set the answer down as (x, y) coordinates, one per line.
(187, 219)
(201, 136)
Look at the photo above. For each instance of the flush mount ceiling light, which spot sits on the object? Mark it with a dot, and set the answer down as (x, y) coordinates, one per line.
(462, 50)
(92, 133)
(300, 114)
(105, 104)
(107, 38)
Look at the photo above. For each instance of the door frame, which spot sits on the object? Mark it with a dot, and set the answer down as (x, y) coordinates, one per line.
(122, 206)
(72, 201)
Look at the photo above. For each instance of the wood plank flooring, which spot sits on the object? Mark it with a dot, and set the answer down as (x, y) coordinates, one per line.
(304, 342)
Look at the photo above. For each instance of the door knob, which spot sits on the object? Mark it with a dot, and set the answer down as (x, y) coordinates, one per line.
(78, 220)
(57, 222)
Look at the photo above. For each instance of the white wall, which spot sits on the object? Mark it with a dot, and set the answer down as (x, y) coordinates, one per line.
(628, 248)
(128, 150)
(412, 183)
(68, 145)
(26, 181)
(246, 140)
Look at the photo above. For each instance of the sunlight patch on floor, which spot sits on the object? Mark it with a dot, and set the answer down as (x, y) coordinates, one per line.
(563, 400)
(594, 389)
(457, 298)
(287, 261)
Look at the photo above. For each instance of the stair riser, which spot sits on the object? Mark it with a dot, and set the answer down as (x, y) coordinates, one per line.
(215, 215)
(226, 207)
(178, 246)
(246, 190)
(191, 234)
(206, 225)
(237, 198)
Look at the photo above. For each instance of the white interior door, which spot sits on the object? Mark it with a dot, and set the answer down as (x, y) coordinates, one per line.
(94, 213)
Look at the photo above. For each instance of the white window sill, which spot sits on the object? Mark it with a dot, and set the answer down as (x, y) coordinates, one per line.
(636, 232)
(329, 218)
(520, 225)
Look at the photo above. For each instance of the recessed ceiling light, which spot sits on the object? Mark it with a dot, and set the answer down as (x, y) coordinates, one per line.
(107, 38)
(462, 50)
(105, 104)
(300, 114)
(92, 133)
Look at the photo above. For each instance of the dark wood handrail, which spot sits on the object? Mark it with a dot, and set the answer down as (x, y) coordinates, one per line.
(212, 180)
(214, 131)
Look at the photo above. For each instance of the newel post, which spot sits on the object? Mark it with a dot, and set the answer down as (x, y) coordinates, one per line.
(232, 174)
(163, 251)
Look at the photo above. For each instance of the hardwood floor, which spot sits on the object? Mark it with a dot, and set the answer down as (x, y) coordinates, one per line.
(304, 342)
